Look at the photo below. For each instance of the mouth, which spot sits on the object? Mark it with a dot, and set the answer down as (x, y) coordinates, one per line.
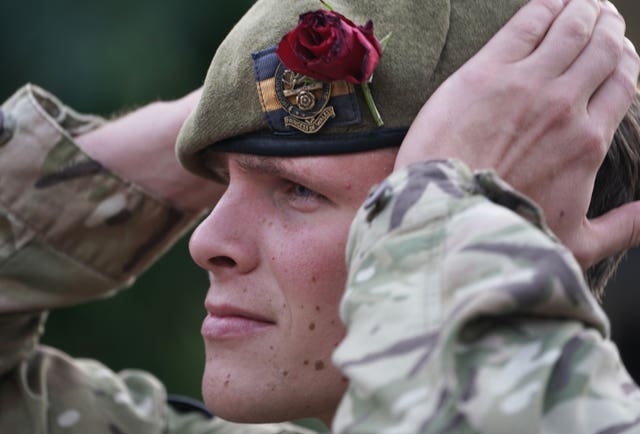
(227, 322)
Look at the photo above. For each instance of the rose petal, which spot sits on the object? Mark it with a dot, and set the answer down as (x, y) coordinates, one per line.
(328, 46)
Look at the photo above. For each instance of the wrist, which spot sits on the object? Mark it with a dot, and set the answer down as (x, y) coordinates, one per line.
(139, 147)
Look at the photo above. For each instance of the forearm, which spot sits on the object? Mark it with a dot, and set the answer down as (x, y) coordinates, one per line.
(140, 147)
(70, 230)
(66, 211)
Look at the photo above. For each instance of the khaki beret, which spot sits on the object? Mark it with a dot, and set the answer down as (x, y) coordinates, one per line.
(242, 108)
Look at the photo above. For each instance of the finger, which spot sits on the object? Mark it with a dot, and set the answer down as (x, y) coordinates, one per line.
(525, 30)
(610, 103)
(612, 233)
(567, 38)
(601, 56)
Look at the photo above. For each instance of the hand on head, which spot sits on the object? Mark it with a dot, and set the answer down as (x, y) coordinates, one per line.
(568, 76)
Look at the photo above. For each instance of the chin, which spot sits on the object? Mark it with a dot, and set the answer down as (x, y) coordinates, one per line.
(265, 401)
(251, 406)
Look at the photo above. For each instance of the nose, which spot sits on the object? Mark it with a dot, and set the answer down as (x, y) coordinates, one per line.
(225, 242)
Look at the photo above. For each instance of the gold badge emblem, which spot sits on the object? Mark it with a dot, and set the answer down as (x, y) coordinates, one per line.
(305, 99)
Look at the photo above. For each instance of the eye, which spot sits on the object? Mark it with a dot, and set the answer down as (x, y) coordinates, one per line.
(302, 192)
(303, 198)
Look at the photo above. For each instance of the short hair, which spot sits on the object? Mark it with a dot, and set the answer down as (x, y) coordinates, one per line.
(617, 183)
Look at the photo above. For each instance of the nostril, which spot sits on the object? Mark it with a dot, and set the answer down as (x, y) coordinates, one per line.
(222, 261)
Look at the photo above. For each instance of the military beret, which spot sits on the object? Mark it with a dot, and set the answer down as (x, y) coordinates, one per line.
(249, 104)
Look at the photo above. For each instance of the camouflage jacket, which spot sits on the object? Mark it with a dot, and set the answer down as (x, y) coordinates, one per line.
(463, 313)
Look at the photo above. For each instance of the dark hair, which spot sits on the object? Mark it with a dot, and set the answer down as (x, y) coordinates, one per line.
(617, 182)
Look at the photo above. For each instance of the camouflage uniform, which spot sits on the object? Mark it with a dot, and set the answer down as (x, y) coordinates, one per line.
(463, 313)
(467, 317)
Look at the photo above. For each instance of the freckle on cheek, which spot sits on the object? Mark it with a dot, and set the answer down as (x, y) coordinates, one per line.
(306, 363)
(312, 326)
(314, 279)
(319, 365)
(226, 383)
(317, 308)
(285, 373)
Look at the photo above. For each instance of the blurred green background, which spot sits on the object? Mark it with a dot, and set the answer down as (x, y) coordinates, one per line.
(106, 57)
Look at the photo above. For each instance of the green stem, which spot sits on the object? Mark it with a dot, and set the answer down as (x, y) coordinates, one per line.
(385, 41)
(366, 91)
(327, 5)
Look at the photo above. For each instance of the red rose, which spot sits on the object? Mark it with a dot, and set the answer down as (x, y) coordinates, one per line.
(327, 46)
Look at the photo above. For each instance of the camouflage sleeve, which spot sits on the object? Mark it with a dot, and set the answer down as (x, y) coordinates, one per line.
(71, 231)
(464, 315)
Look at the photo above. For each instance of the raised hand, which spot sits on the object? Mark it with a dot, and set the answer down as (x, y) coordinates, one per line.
(539, 104)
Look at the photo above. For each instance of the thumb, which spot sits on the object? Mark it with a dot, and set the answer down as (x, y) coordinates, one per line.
(611, 233)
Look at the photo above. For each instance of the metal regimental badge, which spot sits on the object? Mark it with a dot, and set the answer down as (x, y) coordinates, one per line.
(294, 104)
(305, 99)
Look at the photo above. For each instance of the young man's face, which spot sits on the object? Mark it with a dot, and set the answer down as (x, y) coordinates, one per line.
(274, 249)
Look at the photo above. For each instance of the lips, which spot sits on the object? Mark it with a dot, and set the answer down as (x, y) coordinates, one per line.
(226, 321)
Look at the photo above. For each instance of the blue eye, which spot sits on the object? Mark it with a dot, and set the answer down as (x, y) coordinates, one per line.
(303, 192)
(302, 198)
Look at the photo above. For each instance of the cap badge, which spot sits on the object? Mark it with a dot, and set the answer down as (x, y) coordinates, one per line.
(294, 103)
(305, 99)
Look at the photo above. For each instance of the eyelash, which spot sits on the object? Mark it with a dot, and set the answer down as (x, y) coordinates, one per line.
(297, 195)
(303, 196)
(301, 191)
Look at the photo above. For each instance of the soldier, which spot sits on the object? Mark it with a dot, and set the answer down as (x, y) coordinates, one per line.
(462, 311)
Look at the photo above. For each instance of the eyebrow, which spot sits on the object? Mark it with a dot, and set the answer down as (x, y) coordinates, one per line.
(257, 164)
(262, 165)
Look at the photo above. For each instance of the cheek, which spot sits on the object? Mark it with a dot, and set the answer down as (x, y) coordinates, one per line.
(310, 265)
(311, 272)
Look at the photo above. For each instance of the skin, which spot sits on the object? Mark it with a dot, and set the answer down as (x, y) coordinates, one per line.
(150, 134)
(274, 245)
